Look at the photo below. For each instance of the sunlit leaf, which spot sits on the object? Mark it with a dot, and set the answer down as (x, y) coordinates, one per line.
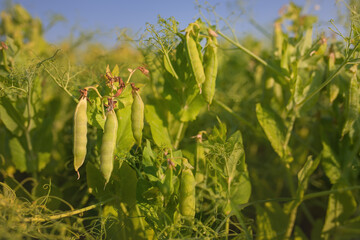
(274, 129)
(18, 155)
(125, 139)
(158, 129)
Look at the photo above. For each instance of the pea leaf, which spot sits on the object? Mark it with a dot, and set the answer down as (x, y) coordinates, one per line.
(274, 129)
(238, 176)
(158, 128)
(271, 221)
(96, 182)
(126, 181)
(341, 206)
(43, 159)
(168, 66)
(305, 42)
(18, 154)
(115, 71)
(352, 104)
(330, 163)
(192, 108)
(304, 175)
(95, 114)
(11, 118)
(125, 139)
(237, 155)
(148, 155)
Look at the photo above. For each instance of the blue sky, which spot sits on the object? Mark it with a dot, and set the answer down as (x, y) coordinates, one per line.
(109, 16)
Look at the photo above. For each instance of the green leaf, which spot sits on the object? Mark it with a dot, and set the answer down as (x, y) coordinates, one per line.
(125, 139)
(192, 108)
(115, 71)
(237, 155)
(95, 114)
(341, 206)
(307, 83)
(125, 97)
(168, 66)
(148, 155)
(306, 41)
(238, 176)
(299, 234)
(96, 182)
(158, 128)
(330, 163)
(11, 118)
(304, 175)
(18, 155)
(43, 159)
(271, 221)
(352, 103)
(241, 189)
(274, 129)
(126, 181)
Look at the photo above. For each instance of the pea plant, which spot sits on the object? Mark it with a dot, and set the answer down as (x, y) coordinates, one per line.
(209, 136)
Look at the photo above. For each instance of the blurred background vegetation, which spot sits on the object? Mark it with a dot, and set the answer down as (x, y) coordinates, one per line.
(39, 82)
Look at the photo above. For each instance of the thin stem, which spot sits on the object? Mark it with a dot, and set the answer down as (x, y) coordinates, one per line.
(328, 192)
(292, 219)
(307, 213)
(96, 90)
(227, 228)
(66, 214)
(247, 51)
(229, 110)
(289, 131)
(333, 75)
(131, 73)
(62, 87)
(178, 135)
(140, 218)
(28, 128)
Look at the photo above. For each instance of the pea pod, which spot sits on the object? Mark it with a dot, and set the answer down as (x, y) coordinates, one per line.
(187, 193)
(211, 66)
(137, 117)
(108, 145)
(167, 187)
(80, 131)
(194, 55)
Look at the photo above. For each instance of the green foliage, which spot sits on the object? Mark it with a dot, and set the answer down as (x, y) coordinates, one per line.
(267, 149)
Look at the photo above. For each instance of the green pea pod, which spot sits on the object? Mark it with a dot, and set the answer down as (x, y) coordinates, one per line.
(187, 193)
(108, 145)
(80, 131)
(137, 117)
(167, 187)
(195, 58)
(211, 66)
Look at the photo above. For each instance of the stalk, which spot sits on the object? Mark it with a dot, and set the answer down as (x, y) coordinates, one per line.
(66, 214)
(259, 59)
(178, 135)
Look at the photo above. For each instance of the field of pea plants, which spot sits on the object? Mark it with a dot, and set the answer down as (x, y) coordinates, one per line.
(181, 133)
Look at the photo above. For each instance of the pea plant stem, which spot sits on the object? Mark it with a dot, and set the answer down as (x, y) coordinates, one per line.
(234, 114)
(96, 90)
(62, 87)
(227, 228)
(66, 214)
(332, 76)
(247, 51)
(32, 158)
(178, 135)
